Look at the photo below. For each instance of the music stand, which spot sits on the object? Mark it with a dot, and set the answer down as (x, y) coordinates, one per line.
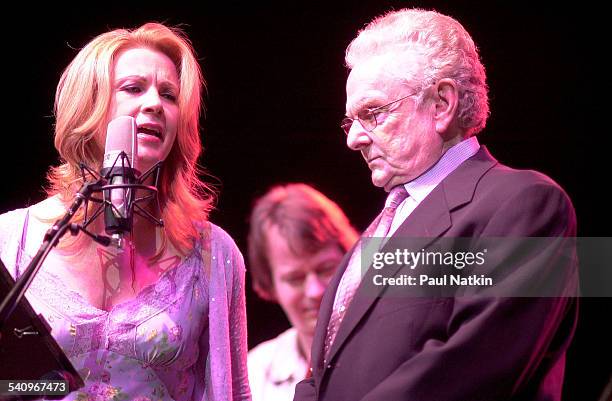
(30, 356)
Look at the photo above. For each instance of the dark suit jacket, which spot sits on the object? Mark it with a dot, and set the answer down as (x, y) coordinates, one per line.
(457, 348)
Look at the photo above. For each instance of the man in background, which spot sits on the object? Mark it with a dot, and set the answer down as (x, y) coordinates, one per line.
(297, 239)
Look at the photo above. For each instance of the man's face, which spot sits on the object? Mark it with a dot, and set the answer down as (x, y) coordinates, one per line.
(300, 281)
(405, 143)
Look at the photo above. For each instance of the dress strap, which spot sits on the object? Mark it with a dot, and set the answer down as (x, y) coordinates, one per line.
(22, 244)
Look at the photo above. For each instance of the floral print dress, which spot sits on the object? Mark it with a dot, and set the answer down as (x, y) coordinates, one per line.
(155, 346)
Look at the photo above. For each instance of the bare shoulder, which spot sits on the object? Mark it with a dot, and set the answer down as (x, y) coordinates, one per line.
(47, 210)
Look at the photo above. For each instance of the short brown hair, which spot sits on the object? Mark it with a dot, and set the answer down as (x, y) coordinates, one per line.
(305, 217)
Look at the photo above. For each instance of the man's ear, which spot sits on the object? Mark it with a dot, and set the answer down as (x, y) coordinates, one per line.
(446, 99)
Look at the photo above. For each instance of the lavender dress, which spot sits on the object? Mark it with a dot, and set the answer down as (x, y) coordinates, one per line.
(182, 338)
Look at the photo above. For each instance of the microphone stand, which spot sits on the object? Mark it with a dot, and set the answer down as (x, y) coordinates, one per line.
(59, 228)
(14, 300)
(52, 237)
(38, 325)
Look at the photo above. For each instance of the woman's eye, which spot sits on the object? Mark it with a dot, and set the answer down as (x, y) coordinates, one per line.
(170, 96)
(131, 89)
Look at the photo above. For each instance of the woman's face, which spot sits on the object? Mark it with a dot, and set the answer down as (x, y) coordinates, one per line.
(146, 87)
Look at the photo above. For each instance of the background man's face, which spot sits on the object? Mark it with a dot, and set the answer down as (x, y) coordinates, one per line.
(300, 280)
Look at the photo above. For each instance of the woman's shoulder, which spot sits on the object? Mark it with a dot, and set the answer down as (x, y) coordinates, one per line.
(38, 217)
(50, 209)
(47, 209)
(11, 227)
(11, 237)
(222, 247)
(227, 270)
(220, 239)
(10, 219)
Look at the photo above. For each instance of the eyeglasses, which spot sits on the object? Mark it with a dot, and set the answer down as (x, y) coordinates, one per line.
(368, 117)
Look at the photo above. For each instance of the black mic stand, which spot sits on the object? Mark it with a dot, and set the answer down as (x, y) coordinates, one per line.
(57, 231)
(59, 228)
(37, 325)
(52, 237)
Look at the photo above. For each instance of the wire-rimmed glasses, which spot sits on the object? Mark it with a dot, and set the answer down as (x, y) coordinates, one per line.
(368, 117)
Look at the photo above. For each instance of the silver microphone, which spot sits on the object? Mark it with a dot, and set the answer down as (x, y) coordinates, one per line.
(120, 166)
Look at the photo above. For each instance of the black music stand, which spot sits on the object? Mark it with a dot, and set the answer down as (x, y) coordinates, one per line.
(26, 356)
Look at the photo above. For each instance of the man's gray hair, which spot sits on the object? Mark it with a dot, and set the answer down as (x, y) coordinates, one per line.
(445, 49)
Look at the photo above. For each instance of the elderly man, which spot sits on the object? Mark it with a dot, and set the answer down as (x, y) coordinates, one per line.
(416, 98)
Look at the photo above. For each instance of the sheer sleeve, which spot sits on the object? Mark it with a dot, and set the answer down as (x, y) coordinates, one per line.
(238, 335)
(12, 236)
(226, 371)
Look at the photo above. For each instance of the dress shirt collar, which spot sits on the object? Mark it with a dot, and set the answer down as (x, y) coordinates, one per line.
(421, 186)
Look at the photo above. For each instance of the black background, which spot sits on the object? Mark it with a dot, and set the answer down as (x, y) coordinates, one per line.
(275, 96)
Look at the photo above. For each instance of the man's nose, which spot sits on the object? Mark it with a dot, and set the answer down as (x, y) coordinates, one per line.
(314, 286)
(357, 137)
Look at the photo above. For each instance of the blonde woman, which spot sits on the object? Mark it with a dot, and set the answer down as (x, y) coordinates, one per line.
(164, 317)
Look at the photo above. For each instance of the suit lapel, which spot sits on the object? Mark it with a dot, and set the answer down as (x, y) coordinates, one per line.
(327, 303)
(430, 220)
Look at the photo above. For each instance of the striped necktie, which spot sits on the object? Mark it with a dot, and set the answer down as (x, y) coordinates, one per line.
(352, 275)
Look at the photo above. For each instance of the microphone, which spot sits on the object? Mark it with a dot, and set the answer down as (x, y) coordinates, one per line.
(119, 167)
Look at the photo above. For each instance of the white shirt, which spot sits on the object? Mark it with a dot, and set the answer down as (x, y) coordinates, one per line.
(420, 187)
(275, 367)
